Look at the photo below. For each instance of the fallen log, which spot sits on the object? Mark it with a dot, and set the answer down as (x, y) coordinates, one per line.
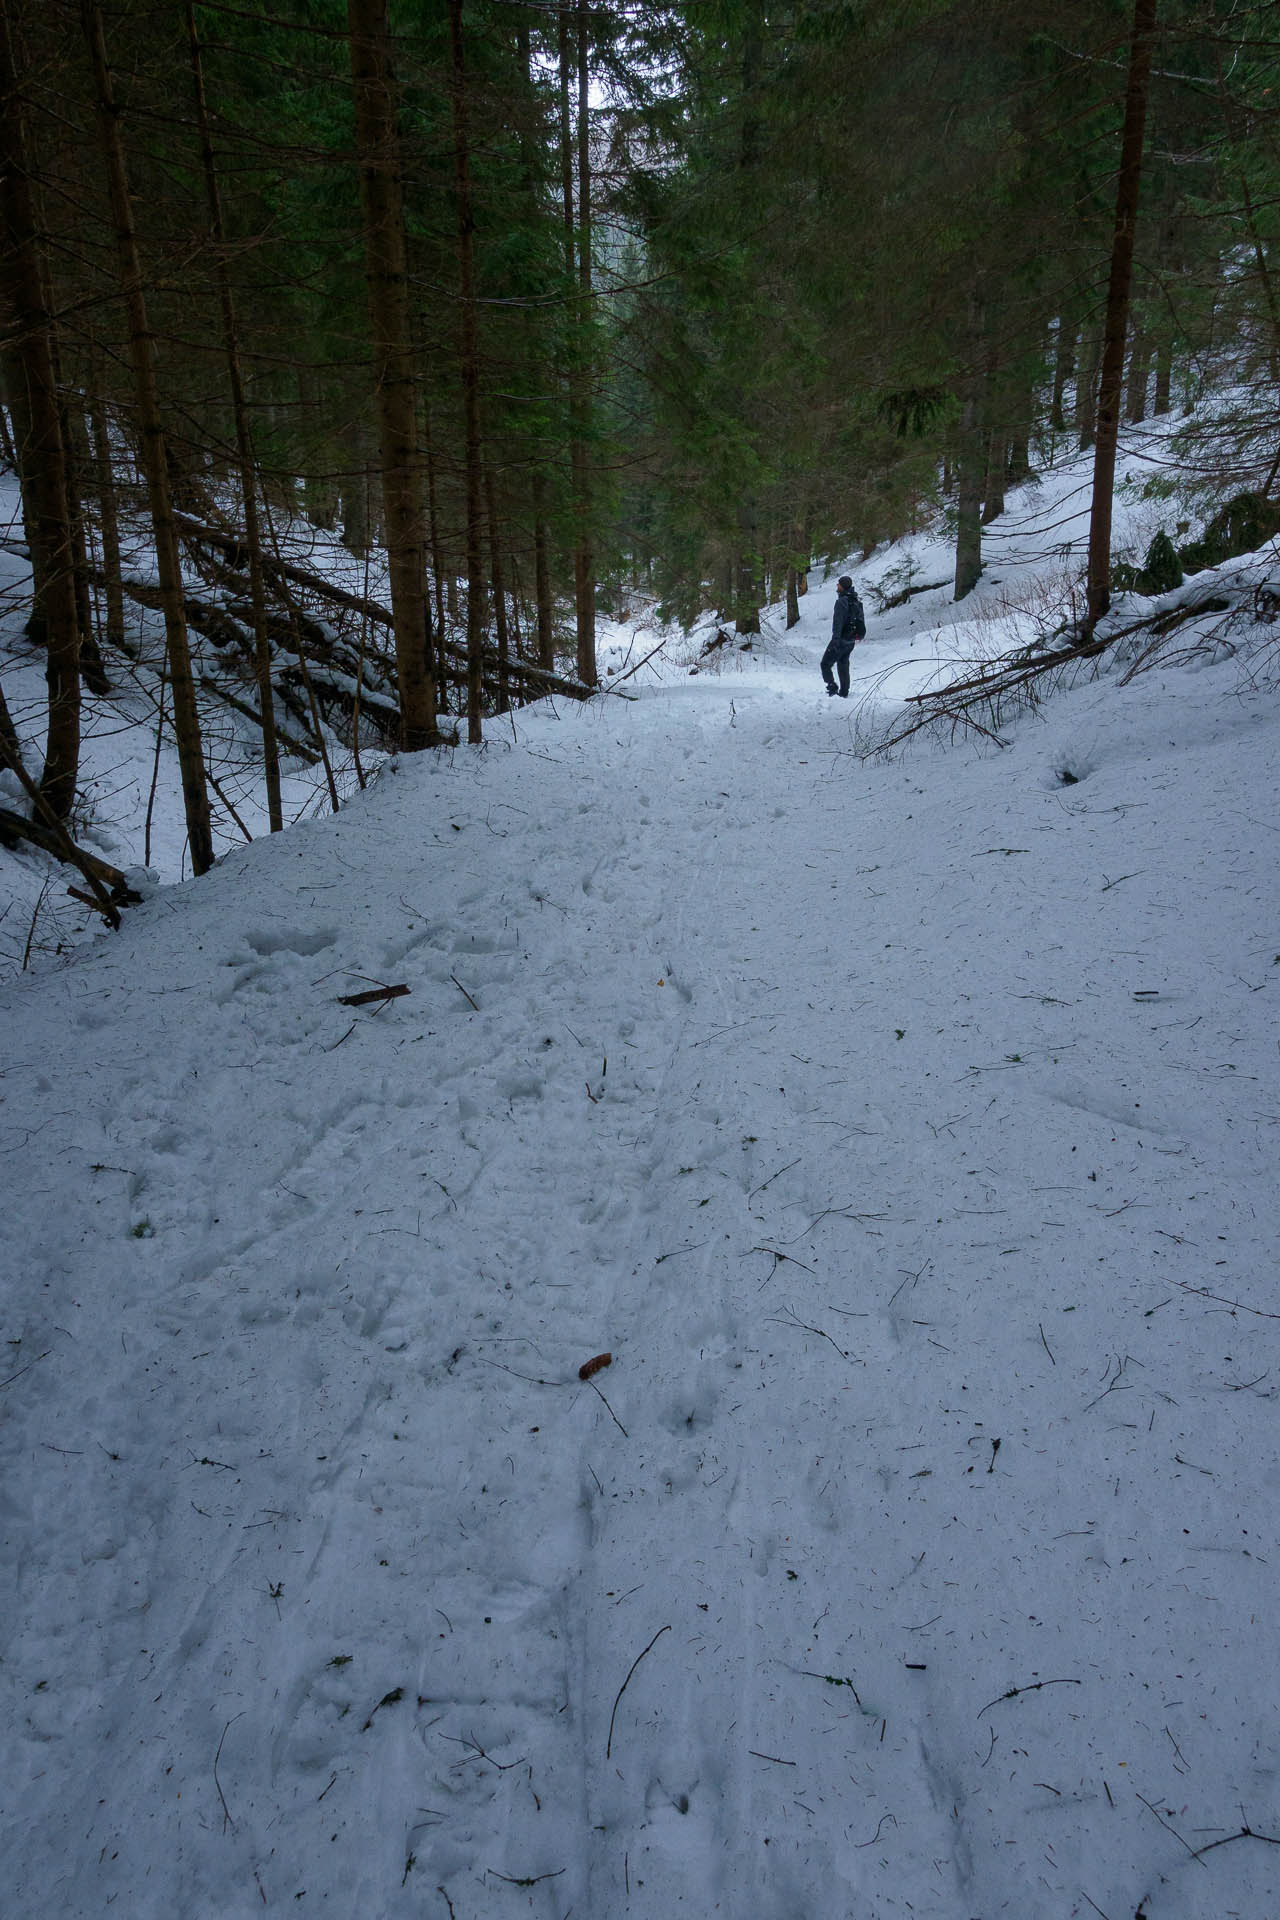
(110, 888)
(236, 549)
(238, 552)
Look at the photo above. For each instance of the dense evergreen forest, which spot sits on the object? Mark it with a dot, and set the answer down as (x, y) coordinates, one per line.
(543, 308)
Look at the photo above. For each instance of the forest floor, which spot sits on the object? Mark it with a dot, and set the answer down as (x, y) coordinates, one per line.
(905, 1131)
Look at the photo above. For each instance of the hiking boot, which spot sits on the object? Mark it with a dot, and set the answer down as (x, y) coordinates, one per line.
(831, 691)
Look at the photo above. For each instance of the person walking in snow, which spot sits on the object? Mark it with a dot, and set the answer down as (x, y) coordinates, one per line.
(848, 625)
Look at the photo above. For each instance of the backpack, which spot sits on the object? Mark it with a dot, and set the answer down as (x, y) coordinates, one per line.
(857, 618)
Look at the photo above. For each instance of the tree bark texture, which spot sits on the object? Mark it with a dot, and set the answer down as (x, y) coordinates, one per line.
(1064, 365)
(1087, 389)
(437, 558)
(39, 444)
(244, 441)
(108, 509)
(1111, 381)
(469, 370)
(1135, 399)
(498, 583)
(386, 270)
(584, 581)
(971, 462)
(543, 601)
(186, 718)
(1164, 375)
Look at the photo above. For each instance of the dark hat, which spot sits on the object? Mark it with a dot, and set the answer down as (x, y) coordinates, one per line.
(844, 581)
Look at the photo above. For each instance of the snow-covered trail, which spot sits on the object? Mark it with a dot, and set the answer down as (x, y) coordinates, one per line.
(875, 1119)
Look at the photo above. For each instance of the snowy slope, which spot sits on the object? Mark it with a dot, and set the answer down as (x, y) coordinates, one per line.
(906, 1133)
(868, 1116)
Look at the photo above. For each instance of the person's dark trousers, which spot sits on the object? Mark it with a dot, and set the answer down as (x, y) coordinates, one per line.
(837, 656)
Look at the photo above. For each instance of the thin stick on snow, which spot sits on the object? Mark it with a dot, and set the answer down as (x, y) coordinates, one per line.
(793, 1319)
(1246, 1833)
(1220, 1299)
(21, 1370)
(769, 1182)
(1034, 1687)
(462, 990)
(639, 663)
(627, 1682)
(609, 1410)
(227, 1821)
(1165, 1824)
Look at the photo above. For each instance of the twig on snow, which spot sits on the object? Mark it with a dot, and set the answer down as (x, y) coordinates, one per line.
(1165, 1824)
(21, 1370)
(227, 1821)
(503, 1766)
(609, 1410)
(374, 993)
(1246, 1833)
(793, 1319)
(778, 1257)
(1237, 1306)
(769, 1182)
(462, 990)
(879, 1830)
(627, 1682)
(1034, 1687)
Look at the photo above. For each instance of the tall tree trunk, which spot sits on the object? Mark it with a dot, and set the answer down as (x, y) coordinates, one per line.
(584, 582)
(1112, 377)
(564, 76)
(1135, 399)
(437, 558)
(317, 483)
(92, 671)
(108, 509)
(41, 454)
(10, 745)
(1022, 416)
(8, 452)
(971, 462)
(969, 490)
(993, 488)
(186, 718)
(499, 589)
(469, 368)
(1164, 375)
(382, 203)
(1064, 365)
(1087, 389)
(244, 442)
(542, 576)
(746, 572)
(543, 608)
(355, 495)
(793, 598)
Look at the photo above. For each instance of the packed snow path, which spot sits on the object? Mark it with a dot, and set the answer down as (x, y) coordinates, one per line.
(903, 1132)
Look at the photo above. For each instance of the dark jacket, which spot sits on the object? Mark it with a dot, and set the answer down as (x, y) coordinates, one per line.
(842, 619)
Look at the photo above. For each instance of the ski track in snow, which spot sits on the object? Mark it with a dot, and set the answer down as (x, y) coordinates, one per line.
(877, 1120)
